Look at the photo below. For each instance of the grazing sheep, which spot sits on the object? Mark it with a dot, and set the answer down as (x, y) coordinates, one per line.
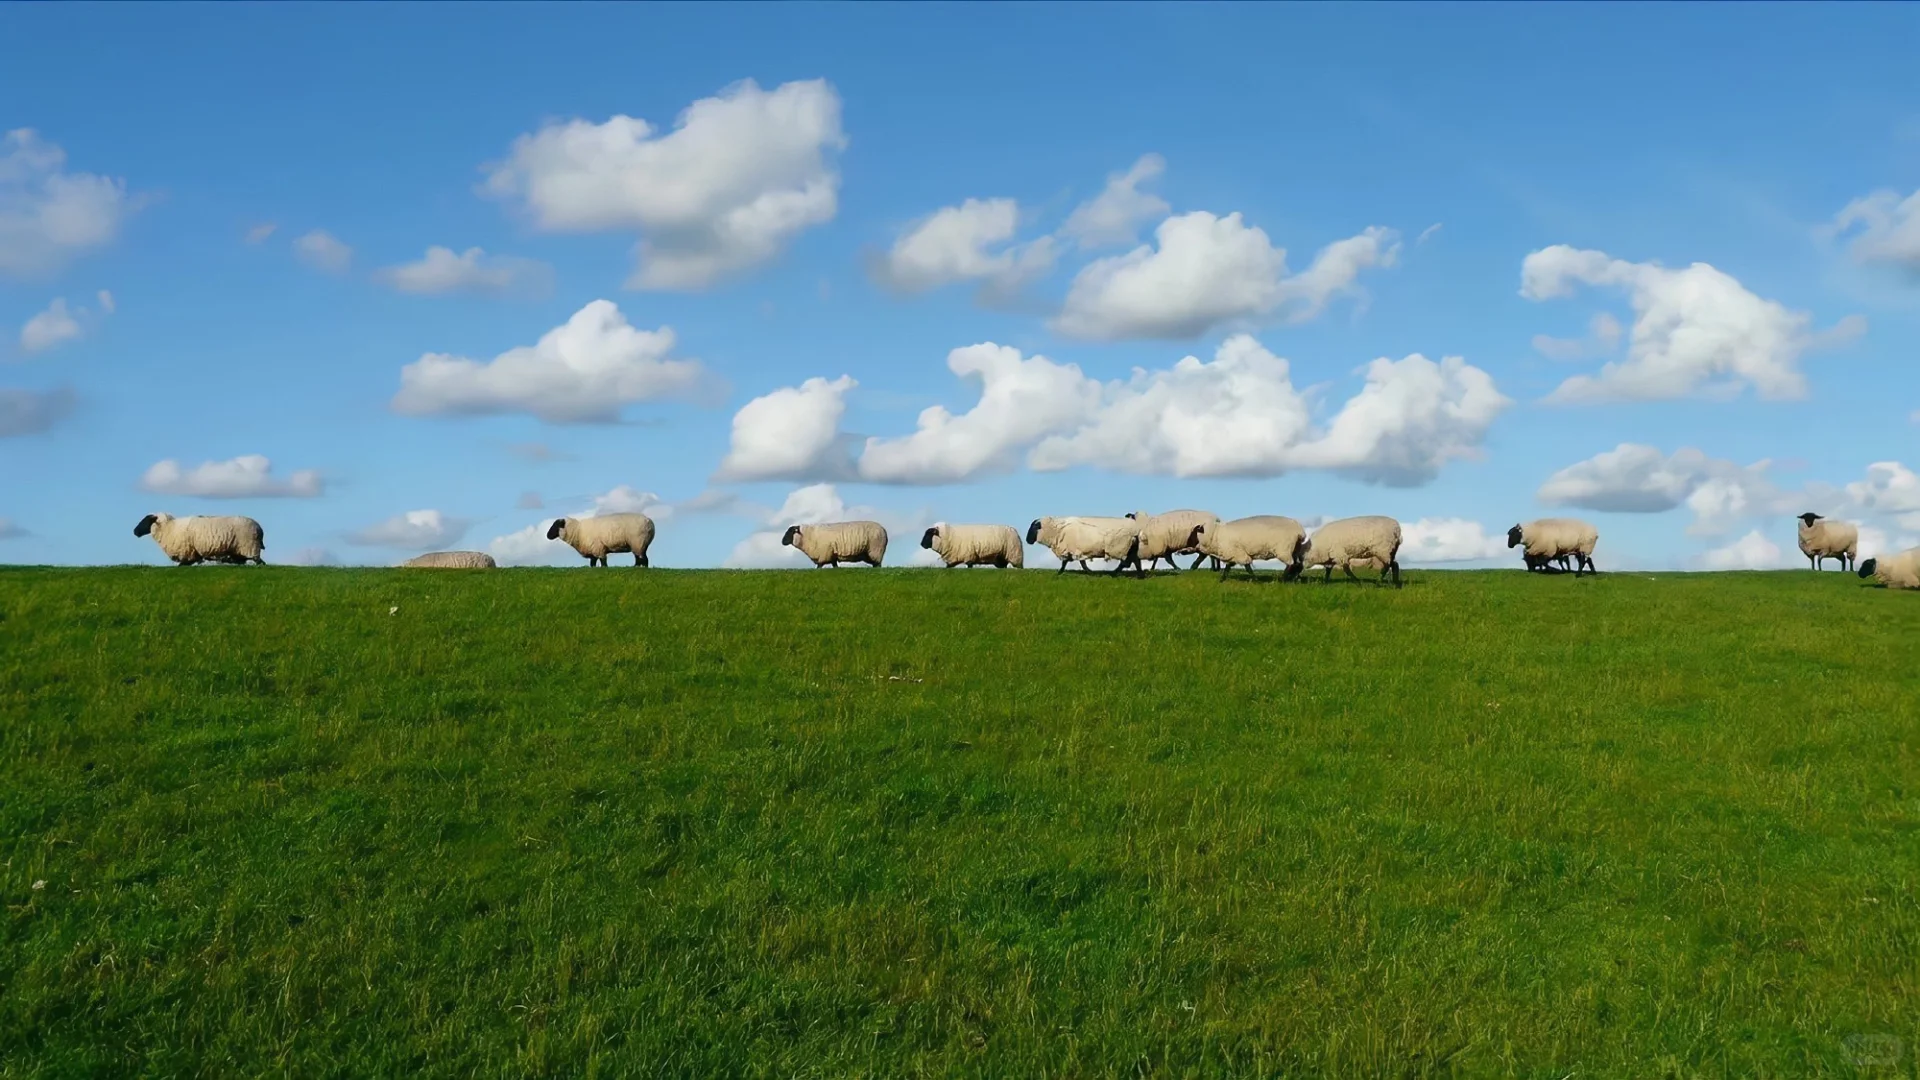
(1162, 536)
(598, 537)
(1822, 539)
(1356, 541)
(838, 542)
(189, 540)
(1244, 541)
(1550, 540)
(453, 560)
(1077, 539)
(1900, 571)
(975, 545)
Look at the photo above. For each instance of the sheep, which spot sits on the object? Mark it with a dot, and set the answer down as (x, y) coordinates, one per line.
(1077, 539)
(1243, 541)
(974, 545)
(1162, 536)
(1822, 539)
(1900, 571)
(1371, 540)
(837, 542)
(1550, 540)
(598, 537)
(452, 560)
(189, 540)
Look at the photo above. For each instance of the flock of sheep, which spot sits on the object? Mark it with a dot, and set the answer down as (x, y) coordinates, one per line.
(1139, 541)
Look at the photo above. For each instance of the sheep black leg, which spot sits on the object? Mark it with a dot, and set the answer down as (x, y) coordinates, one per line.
(1197, 560)
(1395, 567)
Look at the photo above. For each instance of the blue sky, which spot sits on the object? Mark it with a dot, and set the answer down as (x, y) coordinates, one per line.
(1712, 212)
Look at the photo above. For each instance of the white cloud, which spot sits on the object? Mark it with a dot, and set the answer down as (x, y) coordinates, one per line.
(1751, 552)
(11, 530)
(1634, 478)
(1428, 233)
(1695, 331)
(792, 433)
(1021, 400)
(49, 216)
(1890, 489)
(1885, 228)
(1115, 215)
(586, 370)
(969, 242)
(1240, 415)
(1603, 337)
(29, 412)
(442, 272)
(529, 547)
(50, 327)
(1208, 272)
(1439, 540)
(106, 301)
(818, 503)
(323, 251)
(739, 177)
(313, 556)
(626, 499)
(249, 476)
(415, 530)
(259, 234)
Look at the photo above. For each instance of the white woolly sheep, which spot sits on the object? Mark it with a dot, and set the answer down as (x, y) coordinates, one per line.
(1077, 539)
(1244, 541)
(598, 537)
(1550, 540)
(1900, 571)
(975, 545)
(1162, 536)
(1823, 538)
(837, 542)
(1370, 540)
(452, 560)
(190, 540)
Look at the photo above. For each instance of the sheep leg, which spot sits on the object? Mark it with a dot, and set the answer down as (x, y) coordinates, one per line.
(1348, 567)
(639, 559)
(1223, 573)
(1063, 567)
(1395, 567)
(1328, 580)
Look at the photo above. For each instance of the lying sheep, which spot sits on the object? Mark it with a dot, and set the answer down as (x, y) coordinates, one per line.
(1244, 541)
(1551, 540)
(1822, 539)
(190, 540)
(1356, 541)
(1900, 571)
(452, 560)
(837, 542)
(598, 537)
(1162, 536)
(975, 545)
(1077, 539)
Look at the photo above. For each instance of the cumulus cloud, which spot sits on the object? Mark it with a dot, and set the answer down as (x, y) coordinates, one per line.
(1603, 337)
(29, 412)
(1203, 272)
(1885, 228)
(441, 272)
(1634, 478)
(812, 505)
(741, 174)
(249, 476)
(1890, 488)
(49, 216)
(1442, 540)
(792, 433)
(415, 530)
(59, 323)
(584, 371)
(10, 530)
(1240, 415)
(324, 251)
(969, 242)
(1696, 331)
(1021, 400)
(529, 547)
(1751, 552)
(1115, 215)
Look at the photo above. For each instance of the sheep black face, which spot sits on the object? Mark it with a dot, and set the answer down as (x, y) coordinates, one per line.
(146, 525)
(792, 534)
(926, 538)
(1033, 532)
(1513, 537)
(553, 530)
(1866, 568)
(1809, 518)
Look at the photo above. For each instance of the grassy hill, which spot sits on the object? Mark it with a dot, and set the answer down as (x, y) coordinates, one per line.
(358, 822)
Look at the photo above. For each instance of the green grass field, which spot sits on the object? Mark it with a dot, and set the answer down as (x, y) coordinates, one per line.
(956, 823)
